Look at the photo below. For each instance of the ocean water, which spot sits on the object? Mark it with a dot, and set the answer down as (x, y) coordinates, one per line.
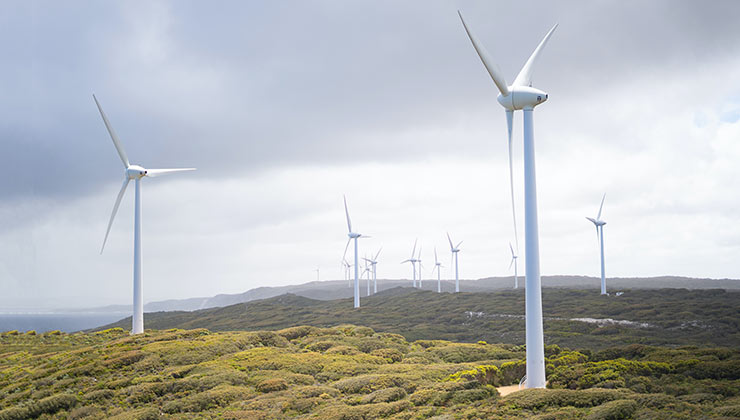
(66, 322)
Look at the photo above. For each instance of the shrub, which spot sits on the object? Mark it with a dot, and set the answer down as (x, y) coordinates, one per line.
(272, 385)
(214, 398)
(31, 332)
(728, 411)
(540, 398)
(99, 396)
(484, 374)
(345, 350)
(390, 355)
(384, 395)
(320, 346)
(49, 405)
(466, 396)
(297, 332)
(613, 410)
(84, 412)
(366, 384)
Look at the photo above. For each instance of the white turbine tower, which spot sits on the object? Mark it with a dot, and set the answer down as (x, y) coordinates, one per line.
(418, 259)
(600, 237)
(346, 267)
(136, 173)
(412, 260)
(355, 236)
(522, 96)
(373, 264)
(437, 266)
(454, 249)
(513, 262)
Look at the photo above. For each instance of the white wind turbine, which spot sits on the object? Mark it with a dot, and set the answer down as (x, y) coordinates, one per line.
(522, 96)
(373, 264)
(346, 267)
(600, 237)
(454, 249)
(418, 259)
(355, 236)
(136, 173)
(513, 262)
(412, 260)
(437, 266)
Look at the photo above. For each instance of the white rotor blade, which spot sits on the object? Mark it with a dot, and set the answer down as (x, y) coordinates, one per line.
(509, 124)
(448, 238)
(435, 256)
(158, 172)
(413, 251)
(115, 210)
(419, 257)
(511, 263)
(376, 255)
(512, 250)
(597, 233)
(113, 135)
(488, 62)
(601, 207)
(344, 256)
(349, 222)
(458, 244)
(524, 78)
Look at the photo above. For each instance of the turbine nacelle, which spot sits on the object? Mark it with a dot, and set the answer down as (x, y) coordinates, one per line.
(596, 222)
(353, 235)
(522, 97)
(135, 172)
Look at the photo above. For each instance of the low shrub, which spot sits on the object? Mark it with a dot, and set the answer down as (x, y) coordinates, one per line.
(540, 398)
(272, 385)
(484, 374)
(613, 410)
(390, 355)
(384, 395)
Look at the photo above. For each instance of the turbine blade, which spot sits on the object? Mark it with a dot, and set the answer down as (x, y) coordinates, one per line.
(344, 256)
(448, 238)
(601, 207)
(115, 210)
(413, 251)
(349, 222)
(509, 124)
(435, 256)
(116, 142)
(597, 233)
(524, 78)
(158, 172)
(511, 263)
(376, 255)
(488, 62)
(419, 257)
(458, 244)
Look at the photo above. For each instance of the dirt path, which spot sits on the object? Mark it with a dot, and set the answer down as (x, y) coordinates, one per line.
(506, 390)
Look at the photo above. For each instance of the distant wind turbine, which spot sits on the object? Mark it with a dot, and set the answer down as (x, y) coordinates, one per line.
(136, 173)
(412, 260)
(599, 224)
(346, 267)
(418, 260)
(317, 274)
(373, 264)
(522, 96)
(437, 266)
(353, 235)
(513, 262)
(454, 249)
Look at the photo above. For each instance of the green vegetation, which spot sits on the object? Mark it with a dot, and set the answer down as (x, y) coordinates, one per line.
(667, 317)
(346, 373)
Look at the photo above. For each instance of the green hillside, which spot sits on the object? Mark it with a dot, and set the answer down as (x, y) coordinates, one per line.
(348, 373)
(666, 317)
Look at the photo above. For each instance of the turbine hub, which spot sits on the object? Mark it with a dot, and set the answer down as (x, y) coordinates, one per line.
(522, 97)
(353, 235)
(135, 172)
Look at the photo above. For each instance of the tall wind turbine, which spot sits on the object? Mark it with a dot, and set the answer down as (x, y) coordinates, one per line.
(454, 249)
(355, 236)
(600, 237)
(437, 266)
(412, 260)
(418, 259)
(513, 262)
(136, 173)
(522, 96)
(373, 264)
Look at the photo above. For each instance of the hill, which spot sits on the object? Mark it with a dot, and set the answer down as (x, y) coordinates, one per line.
(330, 290)
(348, 373)
(573, 318)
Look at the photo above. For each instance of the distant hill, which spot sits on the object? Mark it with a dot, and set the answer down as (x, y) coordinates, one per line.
(574, 318)
(338, 289)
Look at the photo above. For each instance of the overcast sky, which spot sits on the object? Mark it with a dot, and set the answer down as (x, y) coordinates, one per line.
(285, 106)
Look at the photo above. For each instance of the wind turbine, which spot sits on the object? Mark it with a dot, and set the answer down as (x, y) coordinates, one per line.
(355, 236)
(418, 259)
(317, 274)
(346, 267)
(373, 263)
(136, 173)
(437, 266)
(454, 249)
(513, 262)
(600, 237)
(412, 260)
(522, 96)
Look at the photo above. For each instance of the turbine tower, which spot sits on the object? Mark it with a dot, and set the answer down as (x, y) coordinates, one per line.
(412, 260)
(346, 267)
(437, 265)
(522, 96)
(136, 173)
(355, 236)
(418, 259)
(600, 237)
(454, 250)
(513, 262)
(373, 263)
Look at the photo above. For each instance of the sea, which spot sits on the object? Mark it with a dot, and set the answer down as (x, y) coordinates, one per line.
(63, 321)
